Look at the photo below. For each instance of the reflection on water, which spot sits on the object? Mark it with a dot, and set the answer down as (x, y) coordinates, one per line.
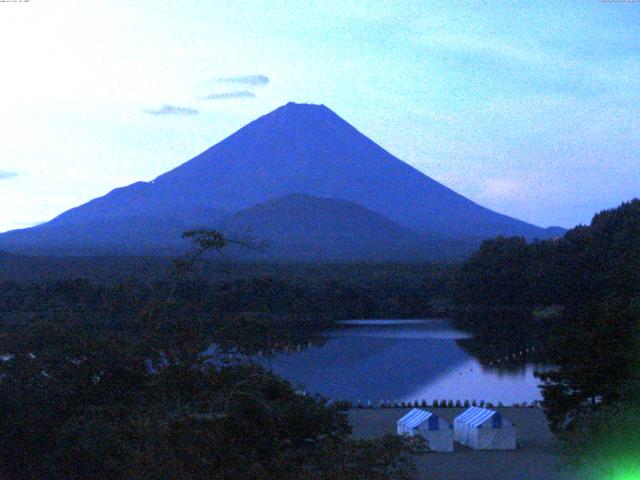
(394, 323)
(380, 360)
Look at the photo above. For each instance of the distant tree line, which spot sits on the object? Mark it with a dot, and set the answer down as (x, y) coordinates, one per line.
(327, 294)
(589, 264)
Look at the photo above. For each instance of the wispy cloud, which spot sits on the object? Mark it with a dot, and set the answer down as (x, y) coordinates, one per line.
(251, 80)
(168, 109)
(6, 174)
(231, 95)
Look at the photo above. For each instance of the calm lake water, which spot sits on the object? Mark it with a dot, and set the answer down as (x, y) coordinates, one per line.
(401, 360)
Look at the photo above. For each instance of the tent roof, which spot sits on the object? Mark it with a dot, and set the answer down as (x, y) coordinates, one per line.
(475, 416)
(415, 417)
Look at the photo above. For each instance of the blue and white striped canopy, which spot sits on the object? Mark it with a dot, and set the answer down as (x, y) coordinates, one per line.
(476, 416)
(417, 417)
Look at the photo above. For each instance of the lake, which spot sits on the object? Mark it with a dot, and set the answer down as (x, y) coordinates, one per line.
(401, 360)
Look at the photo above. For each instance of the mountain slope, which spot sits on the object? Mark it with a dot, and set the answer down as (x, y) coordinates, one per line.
(309, 149)
(297, 148)
(126, 234)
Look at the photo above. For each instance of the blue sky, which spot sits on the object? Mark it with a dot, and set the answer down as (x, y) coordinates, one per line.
(529, 108)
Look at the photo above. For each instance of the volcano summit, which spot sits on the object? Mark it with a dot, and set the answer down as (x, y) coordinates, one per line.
(301, 158)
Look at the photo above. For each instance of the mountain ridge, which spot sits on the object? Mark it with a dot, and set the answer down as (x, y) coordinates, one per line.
(295, 149)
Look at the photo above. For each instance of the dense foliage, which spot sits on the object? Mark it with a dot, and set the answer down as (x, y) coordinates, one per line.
(583, 292)
(589, 264)
(112, 382)
(81, 404)
(318, 293)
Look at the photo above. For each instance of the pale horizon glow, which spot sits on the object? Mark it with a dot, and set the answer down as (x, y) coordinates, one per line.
(528, 108)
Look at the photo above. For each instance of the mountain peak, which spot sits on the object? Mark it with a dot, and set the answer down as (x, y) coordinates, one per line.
(293, 113)
(305, 106)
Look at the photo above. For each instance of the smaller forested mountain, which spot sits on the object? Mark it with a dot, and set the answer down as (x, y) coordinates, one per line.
(303, 227)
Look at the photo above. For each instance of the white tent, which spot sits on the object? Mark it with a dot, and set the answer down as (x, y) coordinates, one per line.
(437, 432)
(484, 429)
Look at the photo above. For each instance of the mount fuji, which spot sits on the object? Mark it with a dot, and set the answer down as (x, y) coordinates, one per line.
(303, 178)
